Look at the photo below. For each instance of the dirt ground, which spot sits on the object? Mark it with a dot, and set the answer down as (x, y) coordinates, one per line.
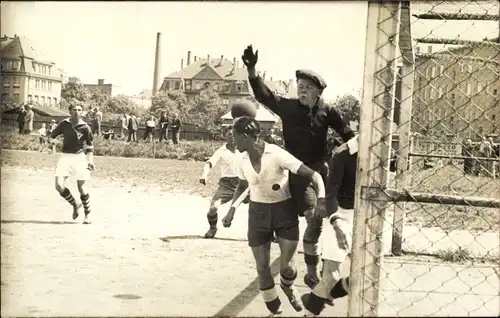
(143, 256)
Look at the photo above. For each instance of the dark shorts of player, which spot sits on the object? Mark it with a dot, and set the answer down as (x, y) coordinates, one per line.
(225, 190)
(42, 140)
(303, 193)
(265, 219)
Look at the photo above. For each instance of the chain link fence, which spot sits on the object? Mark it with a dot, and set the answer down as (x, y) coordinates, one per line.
(426, 238)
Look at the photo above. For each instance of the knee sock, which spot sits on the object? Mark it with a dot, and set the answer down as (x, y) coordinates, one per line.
(312, 262)
(86, 203)
(315, 304)
(273, 303)
(66, 194)
(212, 219)
(340, 289)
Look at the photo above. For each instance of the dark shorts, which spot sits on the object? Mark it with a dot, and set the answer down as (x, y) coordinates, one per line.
(225, 190)
(303, 193)
(42, 140)
(265, 219)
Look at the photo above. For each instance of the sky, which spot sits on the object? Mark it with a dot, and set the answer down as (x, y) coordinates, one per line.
(116, 40)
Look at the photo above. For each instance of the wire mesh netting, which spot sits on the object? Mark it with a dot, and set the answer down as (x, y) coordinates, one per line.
(429, 196)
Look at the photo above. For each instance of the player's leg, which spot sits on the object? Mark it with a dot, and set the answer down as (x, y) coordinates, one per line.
(212, 215)
(259, 239)
(286, 225)
(82, 174)
(63, 171)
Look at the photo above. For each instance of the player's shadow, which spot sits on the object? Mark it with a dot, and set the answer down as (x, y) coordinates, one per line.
(38, 222)
(198, 237)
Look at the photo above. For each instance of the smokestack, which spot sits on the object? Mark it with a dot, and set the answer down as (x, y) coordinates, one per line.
(182, 64)
(208, 59)
(156, 75)
(189, 58)
(221, 58)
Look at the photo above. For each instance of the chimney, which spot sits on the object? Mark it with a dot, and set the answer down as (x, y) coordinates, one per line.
(189, 58)
(208, 59)
(195, 58)
(221, 58)
(182, 64)
(100, 81)
(157, 67)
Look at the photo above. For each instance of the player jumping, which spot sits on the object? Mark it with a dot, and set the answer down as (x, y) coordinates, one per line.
(264, 169)
(76, 159)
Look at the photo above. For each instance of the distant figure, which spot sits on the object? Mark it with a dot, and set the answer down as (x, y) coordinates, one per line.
(28, 119)
(176, 129)
(96, 121)
(468, 152)
(133, 124)
(42, 136)
(164, 122)
(52, 126)
(150, 128)
(124, 125)
(21, 118)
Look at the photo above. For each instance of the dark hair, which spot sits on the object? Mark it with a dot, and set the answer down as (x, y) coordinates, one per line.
(75, 103)
(247, 126)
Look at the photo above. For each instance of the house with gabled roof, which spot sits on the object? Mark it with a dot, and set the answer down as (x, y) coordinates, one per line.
(224, 76)
(27, 74)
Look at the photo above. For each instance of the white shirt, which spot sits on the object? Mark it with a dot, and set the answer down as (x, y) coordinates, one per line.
(229, 161)
(275, 164)
(42, 132)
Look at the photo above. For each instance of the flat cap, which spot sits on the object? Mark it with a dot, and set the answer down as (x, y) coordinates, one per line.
(311, 75)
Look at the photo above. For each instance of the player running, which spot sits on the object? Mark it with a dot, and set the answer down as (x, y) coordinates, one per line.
(228, 158)
(76, 159)
(264, 170)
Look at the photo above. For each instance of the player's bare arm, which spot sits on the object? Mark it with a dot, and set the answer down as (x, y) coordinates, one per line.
(318, 185)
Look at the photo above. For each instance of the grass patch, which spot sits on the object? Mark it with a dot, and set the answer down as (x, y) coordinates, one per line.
(460, 255)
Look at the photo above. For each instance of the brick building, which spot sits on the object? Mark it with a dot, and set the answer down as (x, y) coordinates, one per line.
(104, 88)
(26, 74)
(456, 91)
(226, 77)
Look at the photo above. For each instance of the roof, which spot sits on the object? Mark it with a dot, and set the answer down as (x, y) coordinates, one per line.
(263, 115)
(43, 111)
(222, 68)
(27, 51)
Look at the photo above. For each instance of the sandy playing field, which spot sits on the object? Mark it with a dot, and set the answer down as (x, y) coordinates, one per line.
(144, 256)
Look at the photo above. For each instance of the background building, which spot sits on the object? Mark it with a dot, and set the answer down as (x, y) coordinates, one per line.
(226, 77)
(26, 74)
(456, 91)
(105, 88)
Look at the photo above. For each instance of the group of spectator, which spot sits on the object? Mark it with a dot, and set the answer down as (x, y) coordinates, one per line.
(130, 125)
(25, 118)
(479, 157)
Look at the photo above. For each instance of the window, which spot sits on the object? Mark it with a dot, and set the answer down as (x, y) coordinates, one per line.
(50, 86)
(177, 85)
(198, 85)
(6, 82)
(15, 65)
(50, 69)
(9, 65)
(188, 85)
(239, 87)
(16, 81)
(225, 101)
(37, 84)
(227, 87)
(16, 97)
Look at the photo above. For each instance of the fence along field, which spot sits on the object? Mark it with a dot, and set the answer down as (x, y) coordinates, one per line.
(434, 68)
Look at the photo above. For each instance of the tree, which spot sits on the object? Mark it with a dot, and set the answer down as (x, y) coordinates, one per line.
(348, 106)
(170, 101)
(206, 109)
(74, 90)
(121, 104)
(96, 98)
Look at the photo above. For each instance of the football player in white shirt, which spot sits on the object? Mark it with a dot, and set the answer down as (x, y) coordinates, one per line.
(228, 158)
(264, 169)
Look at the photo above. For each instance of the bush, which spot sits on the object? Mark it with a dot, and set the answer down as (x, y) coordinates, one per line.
(186, 150)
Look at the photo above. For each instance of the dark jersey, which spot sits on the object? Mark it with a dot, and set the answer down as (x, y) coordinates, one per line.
(342, 179)
(305, 130)
(76, 138)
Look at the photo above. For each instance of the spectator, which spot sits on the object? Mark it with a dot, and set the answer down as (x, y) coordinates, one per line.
(42, 135)
(176, 128)
(150, 128)
(52, 126)
(28, 119)
(21, 118)
(484, 151)
(133, 124)
(124, 125)
(164, 122)
(468, 152)
(96, 121)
